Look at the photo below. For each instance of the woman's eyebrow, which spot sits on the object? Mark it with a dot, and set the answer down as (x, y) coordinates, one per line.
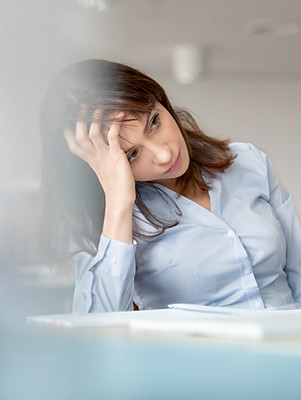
(144, 130)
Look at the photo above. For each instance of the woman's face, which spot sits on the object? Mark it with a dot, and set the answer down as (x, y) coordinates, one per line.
(155, 147)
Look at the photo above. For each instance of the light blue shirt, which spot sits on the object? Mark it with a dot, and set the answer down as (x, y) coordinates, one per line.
(245, 252)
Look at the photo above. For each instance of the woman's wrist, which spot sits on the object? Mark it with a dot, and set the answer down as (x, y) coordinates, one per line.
(118, 222)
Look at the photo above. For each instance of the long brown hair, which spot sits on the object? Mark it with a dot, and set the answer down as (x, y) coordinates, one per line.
(73, 199)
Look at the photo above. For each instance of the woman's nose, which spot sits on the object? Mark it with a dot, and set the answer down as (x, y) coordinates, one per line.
(162, 154)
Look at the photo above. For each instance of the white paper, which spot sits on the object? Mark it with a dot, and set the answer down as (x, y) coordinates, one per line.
(190, 319)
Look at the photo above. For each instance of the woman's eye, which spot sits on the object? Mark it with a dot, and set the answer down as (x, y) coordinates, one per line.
(155, 122)
(133, 156)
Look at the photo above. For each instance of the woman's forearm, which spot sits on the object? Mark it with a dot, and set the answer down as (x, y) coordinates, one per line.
(118, 222)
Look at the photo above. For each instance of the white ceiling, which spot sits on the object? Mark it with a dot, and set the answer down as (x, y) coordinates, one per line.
(46, 35)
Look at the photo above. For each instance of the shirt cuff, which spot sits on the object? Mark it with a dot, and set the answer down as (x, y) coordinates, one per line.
(119, 258)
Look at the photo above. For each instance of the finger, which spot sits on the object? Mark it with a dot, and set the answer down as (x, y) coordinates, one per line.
(113, 135)
(72, 143)
(81, 124)
(95, 130)
(81, 131)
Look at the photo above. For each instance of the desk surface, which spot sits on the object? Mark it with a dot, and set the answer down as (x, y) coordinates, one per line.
(83, 364)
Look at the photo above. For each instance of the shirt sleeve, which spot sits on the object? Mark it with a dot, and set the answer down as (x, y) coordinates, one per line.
(105, 282)
(282, 203)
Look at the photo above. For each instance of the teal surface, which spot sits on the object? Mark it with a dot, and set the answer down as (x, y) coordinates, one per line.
(35, 366)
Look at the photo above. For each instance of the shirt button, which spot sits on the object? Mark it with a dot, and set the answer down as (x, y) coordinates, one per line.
(246, 271)
(231, 233)
(257, 304)
(114, 260)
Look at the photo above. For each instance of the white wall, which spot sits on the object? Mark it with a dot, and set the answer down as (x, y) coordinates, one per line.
(264, 112)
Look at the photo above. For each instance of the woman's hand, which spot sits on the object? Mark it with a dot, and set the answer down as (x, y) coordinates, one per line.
(108, 161)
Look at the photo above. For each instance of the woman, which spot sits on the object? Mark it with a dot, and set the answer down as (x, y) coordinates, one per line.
(151, 210)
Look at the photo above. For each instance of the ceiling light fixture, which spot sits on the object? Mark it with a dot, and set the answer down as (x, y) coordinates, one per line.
(187, 63)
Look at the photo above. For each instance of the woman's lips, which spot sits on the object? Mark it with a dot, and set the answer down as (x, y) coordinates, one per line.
(175, 165)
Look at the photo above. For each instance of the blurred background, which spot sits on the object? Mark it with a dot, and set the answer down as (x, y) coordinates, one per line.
(235, 64)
